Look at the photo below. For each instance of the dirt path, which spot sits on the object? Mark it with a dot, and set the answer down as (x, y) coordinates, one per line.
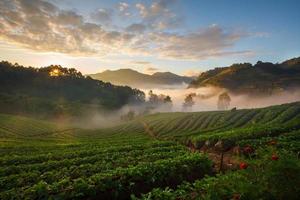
(149, 130)
(229, 161)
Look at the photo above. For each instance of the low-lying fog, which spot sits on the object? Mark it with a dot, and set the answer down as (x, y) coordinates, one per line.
(207, 97)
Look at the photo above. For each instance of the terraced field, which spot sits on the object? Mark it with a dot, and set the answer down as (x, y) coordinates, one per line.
(22, 127)
(225, 125)
(43, 160)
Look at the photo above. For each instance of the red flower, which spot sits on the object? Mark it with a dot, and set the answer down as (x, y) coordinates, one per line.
(275, 157)
(243, 165)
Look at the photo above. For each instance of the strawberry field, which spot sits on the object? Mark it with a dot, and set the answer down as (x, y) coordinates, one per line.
(159, 156)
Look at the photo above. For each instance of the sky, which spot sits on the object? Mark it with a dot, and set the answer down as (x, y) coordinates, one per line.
(181, 36)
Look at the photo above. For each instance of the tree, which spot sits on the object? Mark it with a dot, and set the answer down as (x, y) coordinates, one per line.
(224, 101)
(153, 98)
(168, 103)
(161, 102)
(128, 116)
(167, 99)
(188, 101)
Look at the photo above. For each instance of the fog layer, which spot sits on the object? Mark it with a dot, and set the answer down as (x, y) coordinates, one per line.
(207, 97)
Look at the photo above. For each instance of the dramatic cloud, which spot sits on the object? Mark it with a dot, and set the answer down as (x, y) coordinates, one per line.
(44, 27)
(41, 26)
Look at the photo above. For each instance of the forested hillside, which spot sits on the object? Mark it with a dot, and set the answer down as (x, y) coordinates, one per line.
(263, 78)
(54, 90)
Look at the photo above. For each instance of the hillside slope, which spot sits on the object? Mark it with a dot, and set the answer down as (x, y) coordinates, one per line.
(199, 127)
(261, 78)
(136, 79)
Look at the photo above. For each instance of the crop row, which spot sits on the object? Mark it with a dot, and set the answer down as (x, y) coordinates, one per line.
(26, 179)
(183, 124)
(53, 164)
(22, 126)
(56, 153)
(121, 182)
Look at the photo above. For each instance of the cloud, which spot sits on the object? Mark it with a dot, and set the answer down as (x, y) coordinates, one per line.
(124, 9)
(136, 28)
(151, 69)
(156, 9)
(192, 73)
(123, 6)
(141, 62)
(102, 15)
(69, 18)
(41, 26)
(142, 9)
(160, 14)
(212, 41)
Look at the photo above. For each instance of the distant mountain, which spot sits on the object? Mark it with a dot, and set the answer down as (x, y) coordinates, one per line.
(136, 79)
(263, 78)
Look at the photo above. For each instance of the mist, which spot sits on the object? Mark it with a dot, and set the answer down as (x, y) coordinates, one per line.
(206, 98)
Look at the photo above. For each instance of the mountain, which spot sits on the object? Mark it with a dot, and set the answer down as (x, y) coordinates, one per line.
(136, 79)
(263, 78)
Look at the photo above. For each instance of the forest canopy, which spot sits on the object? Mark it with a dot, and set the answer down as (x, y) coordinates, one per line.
(56, 90)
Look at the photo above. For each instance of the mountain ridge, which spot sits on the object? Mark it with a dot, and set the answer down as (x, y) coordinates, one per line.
(134, 78)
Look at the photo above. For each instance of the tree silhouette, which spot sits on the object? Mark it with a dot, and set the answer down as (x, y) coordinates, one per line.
(188, 102)
(224, 101)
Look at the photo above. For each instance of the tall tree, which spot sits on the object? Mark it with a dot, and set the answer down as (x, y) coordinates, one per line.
(224, 101)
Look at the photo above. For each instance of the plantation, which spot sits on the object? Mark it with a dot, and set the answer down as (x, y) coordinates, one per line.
(230, 126)
(158, 156)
